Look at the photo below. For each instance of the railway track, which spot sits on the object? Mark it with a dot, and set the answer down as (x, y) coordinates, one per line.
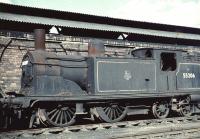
(179, 127)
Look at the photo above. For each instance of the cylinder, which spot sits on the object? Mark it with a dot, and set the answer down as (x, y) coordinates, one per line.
(96, 48)
(39, 39)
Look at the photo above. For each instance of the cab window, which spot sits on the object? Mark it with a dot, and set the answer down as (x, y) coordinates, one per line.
(168, 61)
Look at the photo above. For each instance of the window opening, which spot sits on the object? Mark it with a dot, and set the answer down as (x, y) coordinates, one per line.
(168, 61)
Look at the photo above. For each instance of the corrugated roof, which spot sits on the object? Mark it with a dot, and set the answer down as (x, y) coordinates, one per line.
(93, 26)
(20, 18)
(24, 10)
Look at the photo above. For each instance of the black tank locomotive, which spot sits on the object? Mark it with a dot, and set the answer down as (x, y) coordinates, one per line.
(57, 89)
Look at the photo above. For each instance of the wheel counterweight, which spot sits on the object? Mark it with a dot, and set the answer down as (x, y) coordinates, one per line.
(60, 115)
(111, 113)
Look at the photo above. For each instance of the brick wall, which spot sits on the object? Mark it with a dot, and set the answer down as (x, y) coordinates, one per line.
(10, 71)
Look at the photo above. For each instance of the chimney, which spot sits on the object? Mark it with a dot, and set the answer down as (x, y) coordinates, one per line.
(96, 48)
(39, 39)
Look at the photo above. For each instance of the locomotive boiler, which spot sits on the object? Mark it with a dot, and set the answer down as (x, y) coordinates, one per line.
(45, 73)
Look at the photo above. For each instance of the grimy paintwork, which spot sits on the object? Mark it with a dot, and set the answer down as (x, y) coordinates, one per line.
(145, 81)
(130, 75)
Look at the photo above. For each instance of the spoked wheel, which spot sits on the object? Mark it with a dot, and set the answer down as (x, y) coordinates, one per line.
(112, 113)
(185, 108)
(160, 109)
(60, 115)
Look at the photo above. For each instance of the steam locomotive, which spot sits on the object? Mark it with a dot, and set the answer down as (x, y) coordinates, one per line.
(55, 90)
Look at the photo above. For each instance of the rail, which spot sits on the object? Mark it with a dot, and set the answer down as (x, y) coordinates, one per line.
(178, 127)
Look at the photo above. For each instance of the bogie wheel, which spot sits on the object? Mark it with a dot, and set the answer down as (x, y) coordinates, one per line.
(185, 108)
(112, 113)
(60, 116)
(160, 109)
